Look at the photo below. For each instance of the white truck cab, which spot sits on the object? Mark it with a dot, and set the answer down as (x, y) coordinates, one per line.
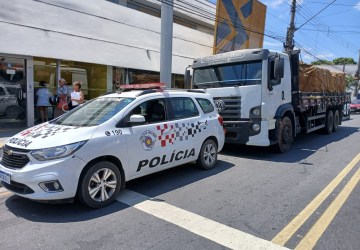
(259, 95)
(91, 151)
(245, 91)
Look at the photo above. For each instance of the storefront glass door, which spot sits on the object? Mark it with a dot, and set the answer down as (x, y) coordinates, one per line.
(12, 93)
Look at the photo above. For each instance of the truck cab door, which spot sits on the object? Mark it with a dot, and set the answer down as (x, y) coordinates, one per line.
(278, 89)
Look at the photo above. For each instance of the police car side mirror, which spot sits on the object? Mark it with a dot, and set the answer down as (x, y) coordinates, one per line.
(136, 119)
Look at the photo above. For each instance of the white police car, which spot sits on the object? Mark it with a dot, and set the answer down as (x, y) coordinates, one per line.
(91, 151)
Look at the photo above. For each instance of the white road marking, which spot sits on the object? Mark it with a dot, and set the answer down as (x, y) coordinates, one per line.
(211, 230)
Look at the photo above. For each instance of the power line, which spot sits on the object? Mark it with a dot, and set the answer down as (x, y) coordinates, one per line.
(316, 14)
(335, 4)
(305, 12)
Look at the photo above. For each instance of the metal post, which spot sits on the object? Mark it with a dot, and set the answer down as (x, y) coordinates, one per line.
(58, 73)
(358, 75)
(289, 45)
(166, 42)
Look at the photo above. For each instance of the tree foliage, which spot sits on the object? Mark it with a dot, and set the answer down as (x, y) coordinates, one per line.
(350, 80)
(344, 61)
(321, 61)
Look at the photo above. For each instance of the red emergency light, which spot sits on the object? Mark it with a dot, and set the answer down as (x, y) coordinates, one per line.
(143, 86)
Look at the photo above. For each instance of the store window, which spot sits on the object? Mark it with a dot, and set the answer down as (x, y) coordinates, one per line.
(123, 76)
(177, 81)
(119, 77)
(45, 70)
(92, 76)
(142, 76)
(12, 92)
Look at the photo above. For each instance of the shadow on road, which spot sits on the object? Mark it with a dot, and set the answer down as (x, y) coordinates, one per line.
(160, 183)
(303, 146)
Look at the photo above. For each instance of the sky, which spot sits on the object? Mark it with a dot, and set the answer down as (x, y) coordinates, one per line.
(333, 33)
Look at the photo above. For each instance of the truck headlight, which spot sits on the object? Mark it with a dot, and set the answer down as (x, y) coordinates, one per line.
(56, 152)
(256, 111)
(255, 127)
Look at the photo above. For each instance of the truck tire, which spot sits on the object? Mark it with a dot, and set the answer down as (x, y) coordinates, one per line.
(285, 135)
(329, 122)
(336, 120)
(99, 185)
(208, 155)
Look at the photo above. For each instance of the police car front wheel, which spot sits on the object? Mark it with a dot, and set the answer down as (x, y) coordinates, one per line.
(208, 155)
(100, 185)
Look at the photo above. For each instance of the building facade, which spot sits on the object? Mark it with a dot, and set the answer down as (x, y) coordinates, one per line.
(102, 43)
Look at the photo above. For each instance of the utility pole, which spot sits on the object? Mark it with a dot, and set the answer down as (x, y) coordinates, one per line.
(358, 78)
(166, 41)
(289, 44)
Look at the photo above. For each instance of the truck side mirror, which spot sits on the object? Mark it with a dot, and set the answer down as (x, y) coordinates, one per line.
(187, 78)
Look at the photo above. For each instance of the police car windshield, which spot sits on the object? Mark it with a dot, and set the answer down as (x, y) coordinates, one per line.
(94, 112)
(240, 74)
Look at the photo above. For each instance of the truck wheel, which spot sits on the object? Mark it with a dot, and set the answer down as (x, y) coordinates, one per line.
(100, 185)
(285, 135)
(208, 155)
(329, 122)
(336, 120)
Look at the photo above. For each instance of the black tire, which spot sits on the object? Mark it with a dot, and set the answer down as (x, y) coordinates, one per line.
(329, 123)
(285, 135)
(208, 155)
(336, 120)
(104, 189)
(13, 112)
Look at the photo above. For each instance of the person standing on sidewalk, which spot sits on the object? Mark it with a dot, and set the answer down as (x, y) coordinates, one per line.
(42, 101)
(77, 96)
(62, 93)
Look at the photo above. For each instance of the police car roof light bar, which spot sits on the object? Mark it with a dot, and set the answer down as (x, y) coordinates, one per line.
(143, 86)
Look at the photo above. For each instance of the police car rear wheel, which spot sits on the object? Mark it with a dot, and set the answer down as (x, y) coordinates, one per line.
(100, 185)
(208, 155)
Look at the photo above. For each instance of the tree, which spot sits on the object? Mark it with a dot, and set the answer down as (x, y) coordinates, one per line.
(321, 61)
(344, 61)
(350, 80)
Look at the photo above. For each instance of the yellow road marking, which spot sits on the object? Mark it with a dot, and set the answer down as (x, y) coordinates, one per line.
(314, 234)
(288, 231)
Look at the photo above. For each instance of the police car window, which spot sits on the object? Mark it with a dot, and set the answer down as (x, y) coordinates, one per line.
(153, 110)
(183, 107)
(94, 112)
(205, 105)
(2, 91)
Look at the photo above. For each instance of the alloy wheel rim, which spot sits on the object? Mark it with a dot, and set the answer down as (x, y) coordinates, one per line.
(102, 185)
(209, 154)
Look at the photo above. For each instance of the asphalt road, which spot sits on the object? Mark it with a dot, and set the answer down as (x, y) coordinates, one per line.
(247, 202)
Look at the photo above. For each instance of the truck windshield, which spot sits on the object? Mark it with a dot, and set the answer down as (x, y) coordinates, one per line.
(240, 74)
(94, 112)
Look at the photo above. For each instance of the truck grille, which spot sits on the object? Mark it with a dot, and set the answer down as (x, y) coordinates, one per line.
(14, 158)
(229, 107)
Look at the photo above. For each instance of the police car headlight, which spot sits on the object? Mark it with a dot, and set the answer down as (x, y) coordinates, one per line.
(56, 152)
